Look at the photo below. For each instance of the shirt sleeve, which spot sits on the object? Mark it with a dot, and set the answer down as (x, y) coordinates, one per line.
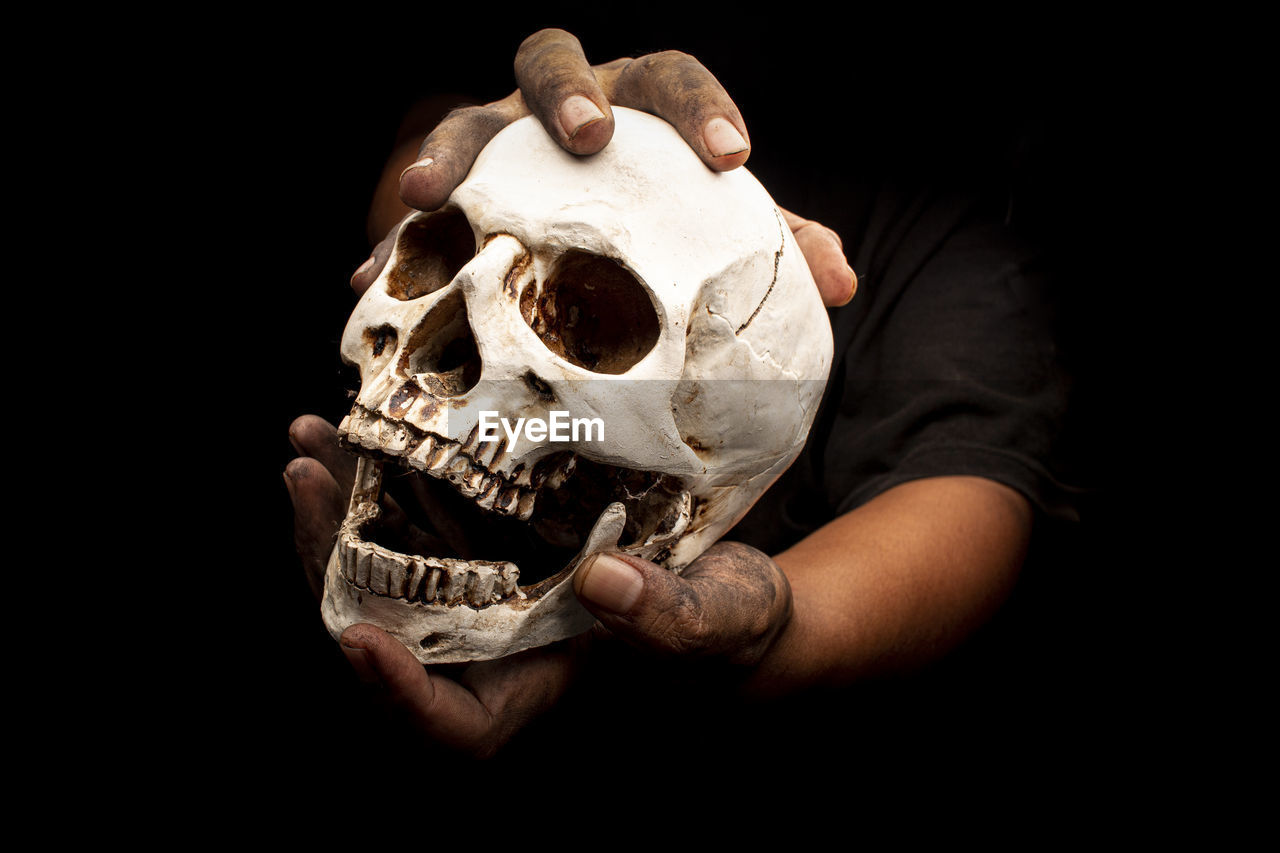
(945, 364)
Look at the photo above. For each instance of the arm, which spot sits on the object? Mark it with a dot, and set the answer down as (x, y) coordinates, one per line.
(898, 581)
(889, 585)
(884, 588)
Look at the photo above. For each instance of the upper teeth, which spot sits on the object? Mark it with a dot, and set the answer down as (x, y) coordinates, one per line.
(450, 460)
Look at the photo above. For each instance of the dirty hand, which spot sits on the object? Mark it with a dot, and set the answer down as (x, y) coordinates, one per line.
(725, 611)
(573, 102)
(727, 606)
(477, 707)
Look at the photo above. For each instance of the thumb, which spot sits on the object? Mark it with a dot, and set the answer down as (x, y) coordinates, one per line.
(730, 603)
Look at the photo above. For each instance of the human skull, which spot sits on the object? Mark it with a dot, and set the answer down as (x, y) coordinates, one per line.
(634, 289)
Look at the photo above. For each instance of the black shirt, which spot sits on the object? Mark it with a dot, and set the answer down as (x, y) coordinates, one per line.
(945, 364)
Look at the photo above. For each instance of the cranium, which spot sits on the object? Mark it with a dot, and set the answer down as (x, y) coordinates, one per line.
(636, 287)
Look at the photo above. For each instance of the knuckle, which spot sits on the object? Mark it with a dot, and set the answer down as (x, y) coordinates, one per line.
(543, 37)
(682, 627)
(459, 130)
(816, 230)
(549, 61)
(753, 596)
(554, 82)
(664, 67)
(615, 67)
(677, 87)
(688, 636)
(744, 559)
(685, 72)
(668, 58)
(470, 116)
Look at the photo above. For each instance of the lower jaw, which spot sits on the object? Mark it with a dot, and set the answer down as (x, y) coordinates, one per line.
(441, 633)
(456, 608)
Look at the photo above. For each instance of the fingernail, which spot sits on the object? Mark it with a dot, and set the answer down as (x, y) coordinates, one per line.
(359, 659)
(610, 583)
(576, 113)
(362, 269)
(722, 138)
(424, 163)
(288, 484)
(297, 445)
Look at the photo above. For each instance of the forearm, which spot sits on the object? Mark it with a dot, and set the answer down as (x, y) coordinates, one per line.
(896, 582)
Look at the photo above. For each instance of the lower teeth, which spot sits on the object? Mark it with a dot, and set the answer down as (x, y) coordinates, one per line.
(390, 562)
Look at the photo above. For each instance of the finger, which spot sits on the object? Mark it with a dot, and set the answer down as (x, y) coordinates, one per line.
(443, 710)
(678, 88)
(387, 208)
(478, 716)
(730, 603)
(313, 436)
(824, 252)
(561, 90)
(518, 688)
(369, 271)
(319, 505)
(449, 152)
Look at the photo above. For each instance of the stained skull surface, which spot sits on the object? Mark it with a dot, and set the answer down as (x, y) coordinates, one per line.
(656, 317)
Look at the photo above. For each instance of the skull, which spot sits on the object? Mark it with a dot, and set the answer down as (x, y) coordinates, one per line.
(660, 306)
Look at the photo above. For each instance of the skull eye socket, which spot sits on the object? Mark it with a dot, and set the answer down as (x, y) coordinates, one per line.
(429, 253)
(593, 312)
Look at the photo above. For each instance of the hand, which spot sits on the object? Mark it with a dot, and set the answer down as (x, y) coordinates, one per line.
(728, 606)
(724, 612)
(573, 102)
(483, 704)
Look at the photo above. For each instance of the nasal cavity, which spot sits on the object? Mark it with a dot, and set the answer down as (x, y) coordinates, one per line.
(442, 351)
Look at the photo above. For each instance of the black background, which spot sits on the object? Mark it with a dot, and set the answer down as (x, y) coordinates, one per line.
(1065, 111)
